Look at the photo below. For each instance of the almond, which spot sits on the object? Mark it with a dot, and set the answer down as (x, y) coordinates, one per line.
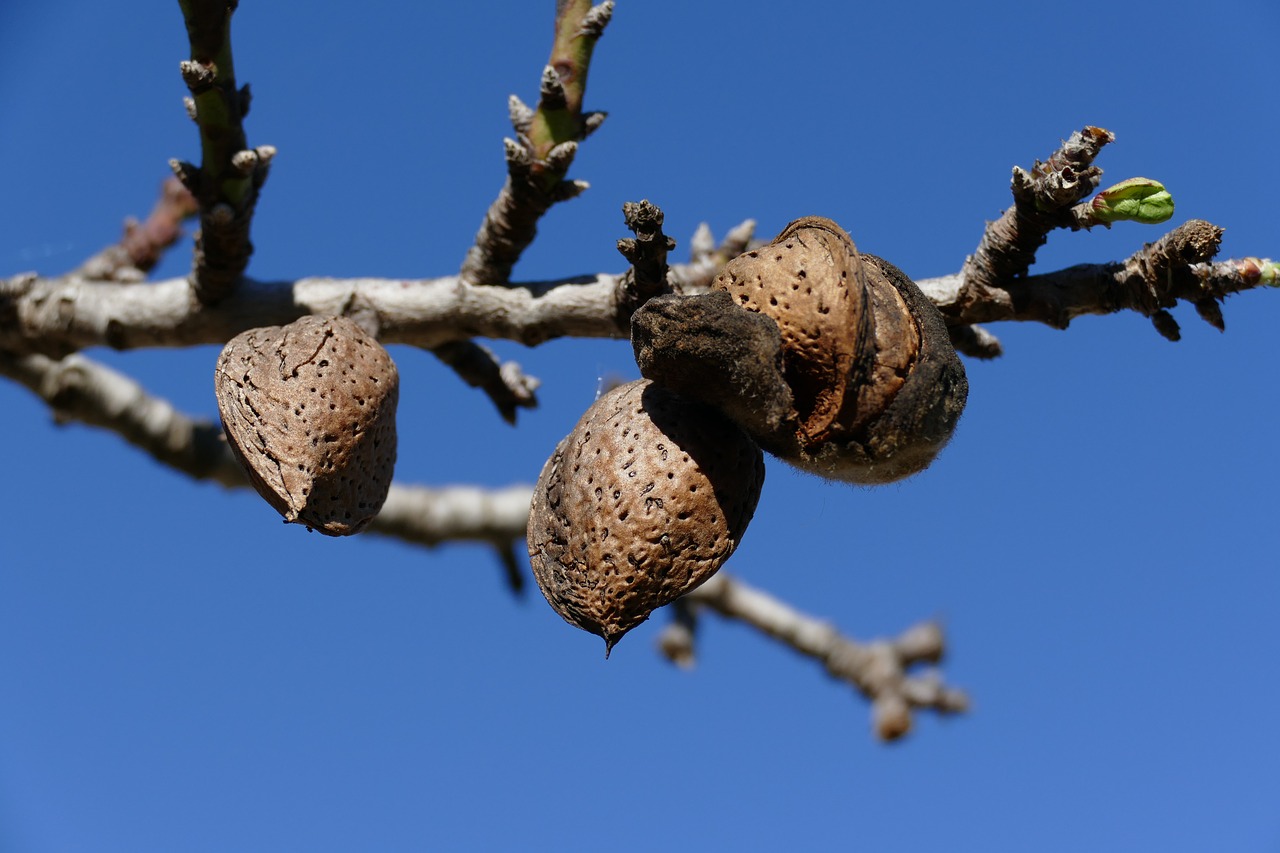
(810, 282)
(643, 501)
(309, 410)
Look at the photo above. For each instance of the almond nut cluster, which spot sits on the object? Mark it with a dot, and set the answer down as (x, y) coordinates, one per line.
(876, 384)
(831, 360)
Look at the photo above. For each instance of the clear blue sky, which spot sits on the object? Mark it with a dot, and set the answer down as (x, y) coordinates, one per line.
(181, 672)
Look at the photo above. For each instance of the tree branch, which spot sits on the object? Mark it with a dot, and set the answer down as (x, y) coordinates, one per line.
(142, 244)
(546, 142)
(56, 316)
(1155, 278)
(505, 383)
(230, 174)
(878, 669)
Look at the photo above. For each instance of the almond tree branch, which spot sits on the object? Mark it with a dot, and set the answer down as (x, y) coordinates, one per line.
(647, 252)
(143, 244)
(505, 383)
(56, 316)
(230, 174)
(1175, 267)
(993, 285)
(546, 142)
(536, 167)
(878, 669)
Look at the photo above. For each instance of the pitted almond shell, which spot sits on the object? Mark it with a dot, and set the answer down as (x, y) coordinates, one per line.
(810, 281)
(309, 410)
(643, 501)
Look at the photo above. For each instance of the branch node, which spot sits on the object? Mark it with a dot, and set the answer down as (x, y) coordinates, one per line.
(1211, 312)
(199, 76)
(245, 162)
(517, 156)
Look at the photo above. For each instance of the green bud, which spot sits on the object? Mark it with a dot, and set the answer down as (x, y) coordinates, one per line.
(1137, 199)
(1260, 271)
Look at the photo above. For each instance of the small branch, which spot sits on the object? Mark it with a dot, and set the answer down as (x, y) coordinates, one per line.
(975, 342)
(143, 244)
(1042, 201)
(647, 253)
(505, 383)
(546, 142)
(432, 517)
(79, 389)
(678, 641)
(230, 174)
(708, 260)
(878, 669)
(1152, 280)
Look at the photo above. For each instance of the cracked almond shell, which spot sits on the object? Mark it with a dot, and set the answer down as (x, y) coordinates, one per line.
(905, 394)
(877, 385)
(809, 280)
(309, 410)
(643, 501)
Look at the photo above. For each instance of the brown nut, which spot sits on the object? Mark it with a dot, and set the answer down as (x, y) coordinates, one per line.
(904, 398)
(877, 386)
(644, 500)
(810, 282)
(309, 410)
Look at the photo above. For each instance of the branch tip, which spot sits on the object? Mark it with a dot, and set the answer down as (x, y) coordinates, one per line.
(1166, 325)
(596, 19)
(198, 76)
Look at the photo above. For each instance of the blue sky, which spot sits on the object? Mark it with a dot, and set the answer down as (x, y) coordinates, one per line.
(179, 671)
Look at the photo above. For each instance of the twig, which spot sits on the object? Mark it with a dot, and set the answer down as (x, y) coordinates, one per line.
(878, 669)
(1174, 268)
(142, 244)
(505, 383)
(230, 174)
(546, 142)
(975, 342)
(647, 253)
(1042, 202)
(537, 162)
(706, 260)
